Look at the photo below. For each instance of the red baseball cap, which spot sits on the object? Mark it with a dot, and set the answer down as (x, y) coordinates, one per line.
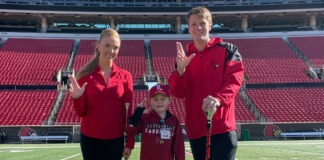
(159, 89)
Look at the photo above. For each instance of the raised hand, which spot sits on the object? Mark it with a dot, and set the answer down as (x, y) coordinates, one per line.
(182, 59)
(142, 104)
(75, 90)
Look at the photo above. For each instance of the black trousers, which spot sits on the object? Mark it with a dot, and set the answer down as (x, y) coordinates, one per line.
(223, 146)
(98, 149)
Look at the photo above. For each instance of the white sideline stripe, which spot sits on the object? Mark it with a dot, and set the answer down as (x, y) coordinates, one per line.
(71, 156)
(279, 143)
(39, 147)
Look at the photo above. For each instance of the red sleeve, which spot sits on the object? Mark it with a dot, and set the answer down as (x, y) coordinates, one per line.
(178, 144)
(128, 93)
(176, 85)
(80, 104)
(233, 77)
(128, 98)
(131, 133)
(130, 142)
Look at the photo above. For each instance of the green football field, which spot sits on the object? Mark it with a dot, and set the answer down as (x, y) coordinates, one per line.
(248, 150)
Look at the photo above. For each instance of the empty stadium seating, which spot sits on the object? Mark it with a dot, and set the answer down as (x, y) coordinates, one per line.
(67, 115)
(33, 61)
(177, 108)
(266, 60)
(242, 113)
(270, 60)
(311, 47)
(84, 54)
(25, 107)
(289, 104)
(131, 56)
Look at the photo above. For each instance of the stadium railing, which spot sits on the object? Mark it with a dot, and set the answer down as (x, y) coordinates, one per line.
(43, 138)
(302, 134)
(154, 4)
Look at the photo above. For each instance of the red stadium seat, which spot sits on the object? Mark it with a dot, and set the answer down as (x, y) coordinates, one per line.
(289, 104)
(311, 47)
(25, 107)
(270, 60)
(33, 61)
(242, 113)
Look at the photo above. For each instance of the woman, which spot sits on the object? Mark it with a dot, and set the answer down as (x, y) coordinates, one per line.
(101, 101)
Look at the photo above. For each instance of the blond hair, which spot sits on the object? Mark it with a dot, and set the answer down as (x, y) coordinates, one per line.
(201, 12)
(92, 64)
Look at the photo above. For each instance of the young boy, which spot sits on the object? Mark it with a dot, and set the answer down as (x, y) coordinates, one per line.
(162, 137)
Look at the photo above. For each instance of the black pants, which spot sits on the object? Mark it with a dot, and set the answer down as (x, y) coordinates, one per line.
(223, 147)
(98, 149)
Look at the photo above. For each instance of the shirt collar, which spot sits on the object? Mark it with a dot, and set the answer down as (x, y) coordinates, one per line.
(114, 69)
(212, 42)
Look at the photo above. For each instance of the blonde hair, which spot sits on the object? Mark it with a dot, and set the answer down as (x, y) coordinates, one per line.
(92, 64)
(201, 12)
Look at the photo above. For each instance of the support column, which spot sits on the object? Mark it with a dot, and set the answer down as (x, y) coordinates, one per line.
(178, 24)
(245, 23)
(44, 24)
(313, 21)
(112, 22)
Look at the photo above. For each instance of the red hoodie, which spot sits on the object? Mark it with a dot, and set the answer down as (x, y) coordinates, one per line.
(102, 107)
(152, 146)
(216, 71)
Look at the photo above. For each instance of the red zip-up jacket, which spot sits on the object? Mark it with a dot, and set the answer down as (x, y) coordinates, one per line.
(152, 146)
(216, 71)
(102, 107)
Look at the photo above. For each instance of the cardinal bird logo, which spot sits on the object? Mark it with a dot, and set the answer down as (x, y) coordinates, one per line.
(26, 131)
(271, 131)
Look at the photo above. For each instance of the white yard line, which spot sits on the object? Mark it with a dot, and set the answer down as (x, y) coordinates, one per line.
(296, 151)
(71, 156)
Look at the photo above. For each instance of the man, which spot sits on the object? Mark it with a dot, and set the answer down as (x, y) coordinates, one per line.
(208, 77)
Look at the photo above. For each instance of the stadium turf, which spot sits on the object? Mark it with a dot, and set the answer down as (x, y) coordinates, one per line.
(248, 150)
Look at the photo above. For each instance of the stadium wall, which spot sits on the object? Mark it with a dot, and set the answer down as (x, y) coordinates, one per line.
(12, 133)
(265, 131)
(271, 131)
(5, 35)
